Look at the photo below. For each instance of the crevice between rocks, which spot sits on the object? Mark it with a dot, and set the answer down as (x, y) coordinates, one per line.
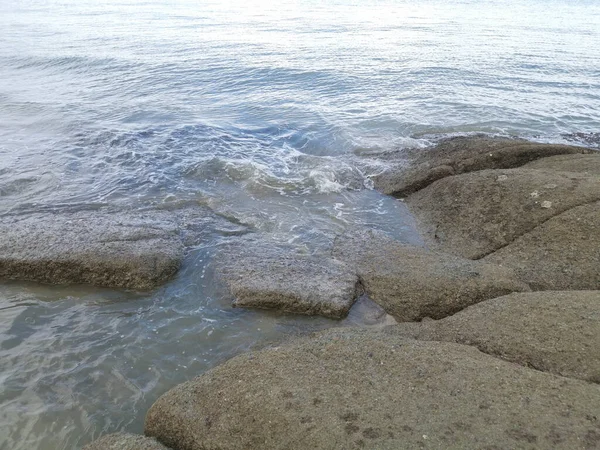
(532, 229)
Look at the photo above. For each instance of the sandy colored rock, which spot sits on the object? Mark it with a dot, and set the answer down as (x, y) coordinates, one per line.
(356, 388)
(551, 331)
(418, 168)
(474, 214)
(265, 274)
(560, 254)
(411, 283)
(588, 164)
(136, 251)
(125, 441)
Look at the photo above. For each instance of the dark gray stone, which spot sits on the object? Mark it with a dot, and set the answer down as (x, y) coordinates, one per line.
(362, 388)
(135, 251)
(588, 164)
(411, 283)
(551, 331)
(474, 214)
(416, 169)
(560, 254)
(264, 274)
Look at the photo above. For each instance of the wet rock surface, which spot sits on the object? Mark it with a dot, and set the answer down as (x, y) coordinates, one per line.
(358, 388)
(260, 273)
(503, 367)
(418, 168)
(561, 253)
(475, 214)
(125, 441)
(552, 331)
(412, 283)
(122, 250)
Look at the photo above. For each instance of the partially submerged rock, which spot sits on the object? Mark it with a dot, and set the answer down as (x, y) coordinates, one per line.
(474, 214)
(264, 274)
(135, 251)
(562, 253)
(366, 313)
(125, 441)
(588, 164)
(551, 331)
(459, 155)
(357, 388)
(411, 283)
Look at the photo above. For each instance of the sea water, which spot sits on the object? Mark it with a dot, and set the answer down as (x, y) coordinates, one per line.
(262, 113)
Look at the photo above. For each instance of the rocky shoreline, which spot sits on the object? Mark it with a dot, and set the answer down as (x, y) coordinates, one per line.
(497, 340)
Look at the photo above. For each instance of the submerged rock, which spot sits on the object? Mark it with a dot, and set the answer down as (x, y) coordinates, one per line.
(366, 313)
(264, 274)
(552, 331)
(562, 253)
(358, 388)
(459, 155)
(411, 283)
(125, 441)
(138, 251)
(474, 214)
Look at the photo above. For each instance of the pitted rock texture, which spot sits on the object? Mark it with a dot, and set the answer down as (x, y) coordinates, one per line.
(475, 214)
(135, 251)
(264, 274)
(560, 254)
(588, 164)
(551, 331)
(412, 283)
(358, 388)
(125, 441)
(418, 168)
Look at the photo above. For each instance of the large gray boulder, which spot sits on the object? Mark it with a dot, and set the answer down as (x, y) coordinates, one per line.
(411, 283)
(551, 331)
(125, 441)
(267, 275)
(418, 168)
(357, 388)
(588, 164)
(562, 253)
(476, 213)
(125, 250)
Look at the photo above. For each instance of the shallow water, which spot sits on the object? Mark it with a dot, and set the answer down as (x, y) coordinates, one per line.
(259, 112)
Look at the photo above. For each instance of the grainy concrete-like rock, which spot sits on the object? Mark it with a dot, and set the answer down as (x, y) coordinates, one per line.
(138, 251)
(459, 155)
(411, 283)
(551, 331)
(588, 164)
(560, 254)
(356, 388)
(474, 214)
(264, 274)
(125, 441)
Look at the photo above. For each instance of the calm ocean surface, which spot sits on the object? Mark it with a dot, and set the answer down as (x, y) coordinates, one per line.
(259, 111)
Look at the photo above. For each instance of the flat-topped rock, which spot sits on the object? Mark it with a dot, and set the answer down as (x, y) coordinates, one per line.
(476, 213)
(560, 254)
(412, 283)
(264, 274)
(125, 250)
(421, 167)
(551, 331)
(588, 164)
(358, 388)
(125, 441)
